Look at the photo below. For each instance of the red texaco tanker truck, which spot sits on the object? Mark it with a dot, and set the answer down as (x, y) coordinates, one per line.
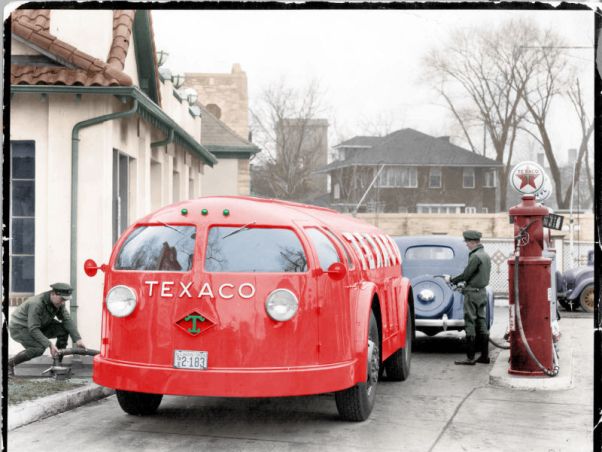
(246, 297)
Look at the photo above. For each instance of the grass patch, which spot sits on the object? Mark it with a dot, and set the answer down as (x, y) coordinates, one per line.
(24, 389)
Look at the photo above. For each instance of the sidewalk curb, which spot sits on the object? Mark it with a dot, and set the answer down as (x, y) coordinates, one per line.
(34, 410)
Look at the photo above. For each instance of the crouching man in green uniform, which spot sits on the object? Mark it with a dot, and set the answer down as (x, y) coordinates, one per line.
(476, 275)
(33, 324)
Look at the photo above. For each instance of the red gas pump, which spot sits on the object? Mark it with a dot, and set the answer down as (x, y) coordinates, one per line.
(531, 349)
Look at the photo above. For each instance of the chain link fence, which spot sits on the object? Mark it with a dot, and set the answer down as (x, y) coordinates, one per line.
(500, 250)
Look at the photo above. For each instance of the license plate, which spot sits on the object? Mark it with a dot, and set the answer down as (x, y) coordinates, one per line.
(188, 359)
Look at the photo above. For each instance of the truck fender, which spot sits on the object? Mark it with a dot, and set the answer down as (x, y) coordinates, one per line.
(361, 319)
(406, 301)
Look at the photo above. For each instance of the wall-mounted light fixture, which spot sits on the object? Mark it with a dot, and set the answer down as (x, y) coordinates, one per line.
(162, 57)
(192, 96)
(177, 80)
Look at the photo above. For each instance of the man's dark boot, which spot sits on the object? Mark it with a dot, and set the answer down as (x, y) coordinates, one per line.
(483, 341)
(19, 358)
(470, 351)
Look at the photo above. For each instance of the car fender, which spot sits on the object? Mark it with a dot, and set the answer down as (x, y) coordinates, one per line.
(576, 292)
(361, 322)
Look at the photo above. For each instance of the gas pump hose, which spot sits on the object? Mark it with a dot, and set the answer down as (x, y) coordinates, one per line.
(556, 368)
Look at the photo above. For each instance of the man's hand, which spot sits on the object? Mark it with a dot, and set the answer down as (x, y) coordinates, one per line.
(53, 350)
(80, 344)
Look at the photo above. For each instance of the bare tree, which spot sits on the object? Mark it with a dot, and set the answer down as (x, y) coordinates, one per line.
(282, 124)
(544, 84)
(575, 95)
(476, 75)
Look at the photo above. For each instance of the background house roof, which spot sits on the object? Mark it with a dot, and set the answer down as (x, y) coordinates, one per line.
(78, 68)
(362, 141)
(220, 139)
(413, 148)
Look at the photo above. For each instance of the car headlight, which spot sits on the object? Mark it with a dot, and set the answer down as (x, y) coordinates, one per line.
(121, 301)
(281, 305)
(426, 295)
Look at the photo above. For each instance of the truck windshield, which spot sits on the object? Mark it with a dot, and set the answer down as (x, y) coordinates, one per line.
(158, 248)
(251, 249)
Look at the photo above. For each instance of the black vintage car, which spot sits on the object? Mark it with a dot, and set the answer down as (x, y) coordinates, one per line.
(575, 287)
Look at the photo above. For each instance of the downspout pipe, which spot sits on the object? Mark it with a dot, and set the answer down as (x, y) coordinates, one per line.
(74, 191)
(166, 141)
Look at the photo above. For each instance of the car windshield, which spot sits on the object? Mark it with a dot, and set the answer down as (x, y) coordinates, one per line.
(158, 248)
(430, 253)
(252, 249)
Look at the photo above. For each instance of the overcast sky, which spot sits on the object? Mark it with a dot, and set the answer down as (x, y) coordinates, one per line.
(368, 62)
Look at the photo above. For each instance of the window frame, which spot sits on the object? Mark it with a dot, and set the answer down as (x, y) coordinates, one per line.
(431, 177)
(12, 216)
(465, 170)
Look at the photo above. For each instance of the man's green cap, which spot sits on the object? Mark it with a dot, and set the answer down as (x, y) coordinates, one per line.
(61, 288)
(472, 235)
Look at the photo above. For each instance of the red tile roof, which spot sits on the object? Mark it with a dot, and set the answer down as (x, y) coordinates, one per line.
(33, 25)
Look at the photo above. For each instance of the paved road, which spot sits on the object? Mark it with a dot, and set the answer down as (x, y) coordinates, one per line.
(441, 408)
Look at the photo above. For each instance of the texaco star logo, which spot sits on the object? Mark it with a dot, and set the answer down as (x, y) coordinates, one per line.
(527, 177)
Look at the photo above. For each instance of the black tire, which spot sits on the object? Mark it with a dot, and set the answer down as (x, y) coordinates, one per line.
(587, 298)
(398, 364)
(138, 403)
(356, 403)
(565, 304)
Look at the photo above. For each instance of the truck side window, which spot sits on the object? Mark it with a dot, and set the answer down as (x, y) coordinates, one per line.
(327, 253)
(254, 249)
(347, 256)
(158, 248)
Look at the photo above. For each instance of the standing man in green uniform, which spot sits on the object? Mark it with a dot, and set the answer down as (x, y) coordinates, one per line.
(33, 324)
(476, 276)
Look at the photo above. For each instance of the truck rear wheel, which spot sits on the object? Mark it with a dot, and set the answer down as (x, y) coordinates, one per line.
(398, 364)
(138, 403)
(356, 403)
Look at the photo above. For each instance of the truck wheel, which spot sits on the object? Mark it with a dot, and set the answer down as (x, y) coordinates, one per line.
(138, 403)
(356, 403)
(398, 364)
(587, 298)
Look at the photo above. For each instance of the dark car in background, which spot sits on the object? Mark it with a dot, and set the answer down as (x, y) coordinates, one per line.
(436, 306)
(575, 287)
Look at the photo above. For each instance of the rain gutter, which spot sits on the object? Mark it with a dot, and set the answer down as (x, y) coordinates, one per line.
(141, 104)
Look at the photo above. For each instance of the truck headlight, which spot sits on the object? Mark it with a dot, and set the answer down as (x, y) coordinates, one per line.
(281, 305)
(121, 301)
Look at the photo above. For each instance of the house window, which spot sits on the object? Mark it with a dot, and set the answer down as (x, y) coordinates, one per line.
(439, 208)
(490, 179)
(191, 193)
(176, 186)
(468, 178)
(435, 178)
(156, 186)
(470, 210)
(22, 216)
(214, 110)
(396, 176)
(121, 185)
(337, 191)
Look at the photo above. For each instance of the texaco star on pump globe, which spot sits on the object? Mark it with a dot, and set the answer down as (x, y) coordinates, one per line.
(527, 177)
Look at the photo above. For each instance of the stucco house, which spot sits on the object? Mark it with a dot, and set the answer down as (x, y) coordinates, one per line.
(417, 173)
(97, 140)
